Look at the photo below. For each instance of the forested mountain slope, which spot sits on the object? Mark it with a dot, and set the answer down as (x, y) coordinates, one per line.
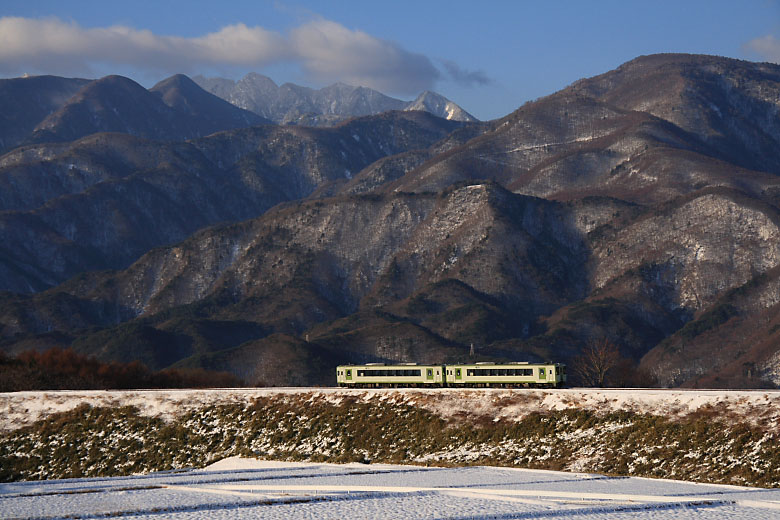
(639, 206)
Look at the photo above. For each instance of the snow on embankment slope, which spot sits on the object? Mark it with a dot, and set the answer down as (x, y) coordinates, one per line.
(709, 436)
(19, 409)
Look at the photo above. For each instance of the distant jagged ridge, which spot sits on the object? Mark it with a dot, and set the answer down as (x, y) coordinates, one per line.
(294, 104)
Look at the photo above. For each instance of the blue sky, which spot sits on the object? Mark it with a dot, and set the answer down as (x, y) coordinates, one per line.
(489, 57)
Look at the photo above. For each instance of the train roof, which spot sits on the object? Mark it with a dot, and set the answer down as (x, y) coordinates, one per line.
(478, 363)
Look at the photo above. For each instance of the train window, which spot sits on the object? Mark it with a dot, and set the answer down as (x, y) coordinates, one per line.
(470, 372)
(381, 373)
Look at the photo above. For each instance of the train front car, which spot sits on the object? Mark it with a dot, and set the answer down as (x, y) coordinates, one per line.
(506, 375)
(379, 375)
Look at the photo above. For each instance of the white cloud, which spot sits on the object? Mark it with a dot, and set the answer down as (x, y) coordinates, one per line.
(768, 47)
(51, 45)
(330, 52)
(325, 50)
(238, 45)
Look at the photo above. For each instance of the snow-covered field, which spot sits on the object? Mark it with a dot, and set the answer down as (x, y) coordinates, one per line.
(19, 409)
(247, 488)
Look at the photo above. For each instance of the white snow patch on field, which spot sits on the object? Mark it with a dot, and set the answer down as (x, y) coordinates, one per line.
(247, 488)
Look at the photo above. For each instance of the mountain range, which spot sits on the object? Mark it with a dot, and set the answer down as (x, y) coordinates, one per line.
(294, 104)
(641, 206)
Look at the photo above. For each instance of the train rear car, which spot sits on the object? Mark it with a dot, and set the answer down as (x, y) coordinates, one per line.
(506, 375)
(379, 375)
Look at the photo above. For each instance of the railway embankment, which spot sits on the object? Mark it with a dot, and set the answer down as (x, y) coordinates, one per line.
(707, 436)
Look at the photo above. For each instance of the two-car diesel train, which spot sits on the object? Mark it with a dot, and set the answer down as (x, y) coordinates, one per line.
(500, 375)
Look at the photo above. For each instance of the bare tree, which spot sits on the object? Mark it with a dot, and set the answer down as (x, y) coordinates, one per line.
(596, 361)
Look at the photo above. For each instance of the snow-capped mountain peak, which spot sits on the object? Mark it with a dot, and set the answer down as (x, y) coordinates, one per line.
(439, 105)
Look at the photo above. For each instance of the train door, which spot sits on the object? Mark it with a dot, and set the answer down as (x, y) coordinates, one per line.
(429, 374)
(543, 373)
(458, 374)
(349, 375)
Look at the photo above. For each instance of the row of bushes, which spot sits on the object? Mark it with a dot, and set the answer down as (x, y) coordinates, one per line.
(91, 442)
(65, 369)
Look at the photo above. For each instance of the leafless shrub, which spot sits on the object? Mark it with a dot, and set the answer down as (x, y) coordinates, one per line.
(596, 361)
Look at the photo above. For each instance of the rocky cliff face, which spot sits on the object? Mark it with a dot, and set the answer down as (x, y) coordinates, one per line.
(640, 206)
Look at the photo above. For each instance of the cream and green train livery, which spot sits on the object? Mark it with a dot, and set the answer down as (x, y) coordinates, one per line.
(506, 375)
